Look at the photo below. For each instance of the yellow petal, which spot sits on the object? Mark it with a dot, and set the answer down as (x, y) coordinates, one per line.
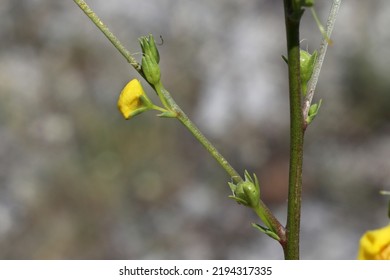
(375, 245)
(129, 99)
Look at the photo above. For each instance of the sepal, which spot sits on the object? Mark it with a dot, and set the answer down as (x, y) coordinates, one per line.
(151, 69)
(148, 46)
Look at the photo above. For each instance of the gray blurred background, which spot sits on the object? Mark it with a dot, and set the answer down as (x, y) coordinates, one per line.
(77, 181)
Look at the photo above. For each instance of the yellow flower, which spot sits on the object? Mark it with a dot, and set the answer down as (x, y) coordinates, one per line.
(375, 245)
(133, 100)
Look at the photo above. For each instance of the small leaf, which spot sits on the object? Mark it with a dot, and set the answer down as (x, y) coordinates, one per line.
(267, 231)
(321, 27)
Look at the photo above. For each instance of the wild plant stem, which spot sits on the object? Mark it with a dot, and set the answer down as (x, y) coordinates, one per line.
(110, 36)
(292, 20)
(266, 215)
(185, 120)
(182, 117)
(171, 103)
(320, 59)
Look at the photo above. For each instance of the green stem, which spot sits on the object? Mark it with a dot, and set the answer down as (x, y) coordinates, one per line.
(263, 211)
(209, 147)
(167, 99)
(182, 117)
(110, 36)
(311, 86)
(296, 132)
(169, 103)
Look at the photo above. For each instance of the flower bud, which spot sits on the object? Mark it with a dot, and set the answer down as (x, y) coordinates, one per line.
(148, 46)
(313, 111)
(246, 192)
(307, 62)
(133, 100)
(151, 69)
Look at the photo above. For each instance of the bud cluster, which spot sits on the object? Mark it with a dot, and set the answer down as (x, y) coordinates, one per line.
(247, 192)
(150, 59)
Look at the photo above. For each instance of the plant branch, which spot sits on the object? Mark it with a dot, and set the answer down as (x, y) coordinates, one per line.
(182, 117)
(110, 36)
(265, 213)
(292, 21)
(320, 59)
(159, 88)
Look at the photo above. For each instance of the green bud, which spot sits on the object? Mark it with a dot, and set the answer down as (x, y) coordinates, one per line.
(307, 62)
(148, 46)
(246, 192)
(151, 69)
(313, 111)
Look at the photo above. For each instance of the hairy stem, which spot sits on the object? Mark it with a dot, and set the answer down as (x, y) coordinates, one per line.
(110, 36)
(292, 20)
(266, 215)
(320, 59)
(182, 117)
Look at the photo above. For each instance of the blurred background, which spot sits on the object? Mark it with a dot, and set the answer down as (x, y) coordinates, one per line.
(77, 181)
